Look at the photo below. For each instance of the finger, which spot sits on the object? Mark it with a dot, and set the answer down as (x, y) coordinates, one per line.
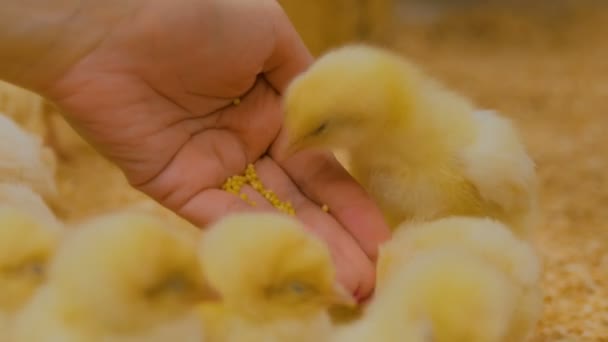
(323, 179)
(211, 203)
(289, 56)
(354, 269)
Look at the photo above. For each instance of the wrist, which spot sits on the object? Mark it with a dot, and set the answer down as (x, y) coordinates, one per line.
(40, 40)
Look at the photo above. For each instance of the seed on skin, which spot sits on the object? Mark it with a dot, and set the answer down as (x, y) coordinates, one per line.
(236, 101)
(235, 183)
(325, 208)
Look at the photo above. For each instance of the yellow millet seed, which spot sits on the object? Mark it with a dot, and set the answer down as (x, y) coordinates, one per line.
(236, 101)
(250, 171)
(234, 185)
(230, 186)
(325, 208)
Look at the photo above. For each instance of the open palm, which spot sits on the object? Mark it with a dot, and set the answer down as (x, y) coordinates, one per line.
(155, 93)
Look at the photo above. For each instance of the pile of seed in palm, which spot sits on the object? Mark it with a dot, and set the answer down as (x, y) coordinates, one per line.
(236, 183)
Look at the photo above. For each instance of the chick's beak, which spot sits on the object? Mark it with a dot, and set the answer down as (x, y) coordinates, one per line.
(291, 148)
(341, 297)
(289, 145)
(210, 294)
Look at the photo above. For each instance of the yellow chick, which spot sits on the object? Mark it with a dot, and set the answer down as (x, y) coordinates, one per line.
(24, 159)
(419, 149)
(491, 241)
(276, 280)
(441, 295)
(119, 277)
(26, 246)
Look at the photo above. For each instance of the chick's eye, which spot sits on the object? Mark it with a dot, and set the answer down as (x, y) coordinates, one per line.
(298, 288)
(30, 268)
(320, 129)
(37, 269)
(175, 284)
(169, 285)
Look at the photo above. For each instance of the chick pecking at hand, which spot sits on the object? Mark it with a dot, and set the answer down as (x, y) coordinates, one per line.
(419, 149)
(276, 280)
(25, 160)
(488, 239)
(445, 294)
(119, 277)
(27, 243)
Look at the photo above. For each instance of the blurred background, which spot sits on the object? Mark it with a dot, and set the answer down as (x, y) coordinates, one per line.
(542, 63)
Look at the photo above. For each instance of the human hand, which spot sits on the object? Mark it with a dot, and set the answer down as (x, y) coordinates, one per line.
(154, 93)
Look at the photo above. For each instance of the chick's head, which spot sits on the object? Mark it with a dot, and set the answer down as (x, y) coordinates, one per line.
(26, 246)
(268, 265)
(126, 272)
(345, 98)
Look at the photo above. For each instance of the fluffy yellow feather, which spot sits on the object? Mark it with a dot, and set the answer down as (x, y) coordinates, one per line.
(26, 246)
(276, 280)
(488, 239)
(445, 294)
(119, 277)
(25, 160)
(24, 198)
(419, 149)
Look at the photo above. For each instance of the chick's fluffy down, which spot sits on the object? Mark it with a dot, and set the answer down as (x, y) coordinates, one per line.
(276, 280)
(24, 198)
(486, 238)
(146, 280)
(27, 244)
(24, 159)
(420, 150)
(441, 295)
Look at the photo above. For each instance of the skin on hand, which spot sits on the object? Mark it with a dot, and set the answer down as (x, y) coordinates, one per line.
(151, 85)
